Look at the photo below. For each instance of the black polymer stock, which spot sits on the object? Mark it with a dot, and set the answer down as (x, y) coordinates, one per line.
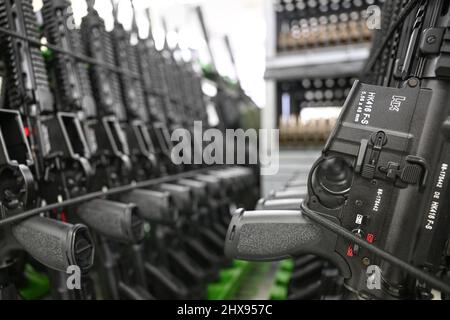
(374, 197)
(46, 153)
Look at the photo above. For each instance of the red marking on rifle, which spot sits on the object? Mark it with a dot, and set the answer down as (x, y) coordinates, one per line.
(350, 251)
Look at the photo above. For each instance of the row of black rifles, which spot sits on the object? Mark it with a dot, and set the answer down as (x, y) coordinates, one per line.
(92, 207)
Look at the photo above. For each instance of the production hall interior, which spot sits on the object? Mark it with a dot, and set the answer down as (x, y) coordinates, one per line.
(225, 150)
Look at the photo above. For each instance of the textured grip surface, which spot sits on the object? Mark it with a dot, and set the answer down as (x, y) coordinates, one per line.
(56, 244)
(269, 235)
(115, 220)
(127, 59)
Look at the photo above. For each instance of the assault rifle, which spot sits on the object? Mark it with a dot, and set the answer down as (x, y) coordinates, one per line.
(43, 157)
(189, 243)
